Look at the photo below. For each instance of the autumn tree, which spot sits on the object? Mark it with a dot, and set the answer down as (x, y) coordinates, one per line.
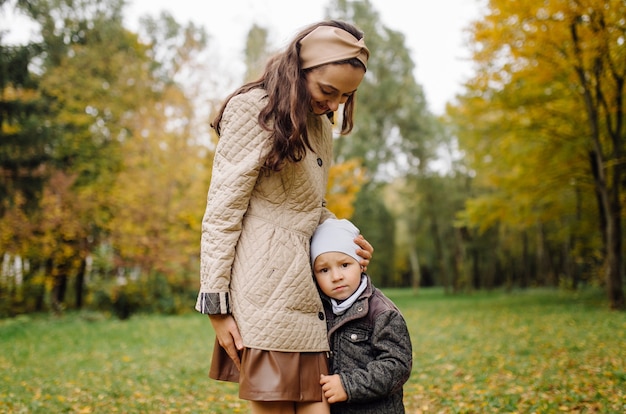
(125, 152)
(24, 160)
(160, 192)
(543, 126)
(92, 71)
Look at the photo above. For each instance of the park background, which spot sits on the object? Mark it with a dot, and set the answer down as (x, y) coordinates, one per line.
(514, 188)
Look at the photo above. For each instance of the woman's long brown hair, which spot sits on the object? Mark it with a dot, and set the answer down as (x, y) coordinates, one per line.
(289, 100)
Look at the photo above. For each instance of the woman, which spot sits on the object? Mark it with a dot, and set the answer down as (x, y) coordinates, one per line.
(265, 200)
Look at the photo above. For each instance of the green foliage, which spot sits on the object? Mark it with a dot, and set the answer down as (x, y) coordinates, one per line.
(382, 235)
(256, 52)
(24, 137)
(529, 351)
(138, 292)
(397, 139)
(27, 296)
(391, 116)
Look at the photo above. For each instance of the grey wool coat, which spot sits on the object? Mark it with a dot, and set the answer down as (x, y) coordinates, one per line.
(372, 353)
(256, 230)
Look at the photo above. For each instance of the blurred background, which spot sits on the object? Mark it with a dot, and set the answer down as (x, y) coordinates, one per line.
(487, 153)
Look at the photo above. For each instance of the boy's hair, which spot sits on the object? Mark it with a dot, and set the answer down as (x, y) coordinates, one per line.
(335, 235)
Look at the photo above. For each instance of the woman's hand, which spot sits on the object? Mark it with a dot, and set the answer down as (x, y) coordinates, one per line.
(228, 336)
(366, 251)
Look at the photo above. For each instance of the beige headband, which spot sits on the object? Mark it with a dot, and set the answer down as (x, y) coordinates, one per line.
(327, 44)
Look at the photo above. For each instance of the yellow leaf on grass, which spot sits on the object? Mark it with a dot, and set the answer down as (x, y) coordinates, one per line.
(458, 386)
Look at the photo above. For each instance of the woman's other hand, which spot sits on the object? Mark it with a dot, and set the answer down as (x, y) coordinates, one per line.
(228, 336)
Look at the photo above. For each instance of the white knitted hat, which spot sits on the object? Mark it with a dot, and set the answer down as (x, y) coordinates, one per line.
(335, 235)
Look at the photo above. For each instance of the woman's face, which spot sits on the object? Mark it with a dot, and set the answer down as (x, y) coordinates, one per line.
(332, 85)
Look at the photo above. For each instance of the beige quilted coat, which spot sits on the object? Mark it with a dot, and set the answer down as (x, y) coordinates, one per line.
(256, 232)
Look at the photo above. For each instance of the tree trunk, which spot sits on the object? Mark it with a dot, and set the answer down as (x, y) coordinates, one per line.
(80, 283)
(416, 275)
(58, 293)
(476, 280)
(606, 155)
(614, 245)
(610, 217)
(439, 262)
(461, 278)
(614, 287)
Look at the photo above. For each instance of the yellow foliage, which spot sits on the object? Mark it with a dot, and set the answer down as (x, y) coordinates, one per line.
(522, 121)
(344, 182)
(160, 194)
(25, 96)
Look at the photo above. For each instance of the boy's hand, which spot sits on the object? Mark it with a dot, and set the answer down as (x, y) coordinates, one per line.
(332, 388)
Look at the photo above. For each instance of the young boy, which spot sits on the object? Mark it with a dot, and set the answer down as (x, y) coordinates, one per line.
(371, 354)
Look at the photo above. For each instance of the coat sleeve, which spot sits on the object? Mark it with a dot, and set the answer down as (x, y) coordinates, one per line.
(391, 367)
(239, 156)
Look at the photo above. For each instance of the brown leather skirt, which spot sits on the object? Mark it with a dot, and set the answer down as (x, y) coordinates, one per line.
(272, 375)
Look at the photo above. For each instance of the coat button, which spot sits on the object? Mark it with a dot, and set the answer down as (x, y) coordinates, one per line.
(319, 162)
(353, 337)
(321, 316)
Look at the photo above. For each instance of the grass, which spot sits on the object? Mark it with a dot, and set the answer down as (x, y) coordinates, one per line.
(537, 351)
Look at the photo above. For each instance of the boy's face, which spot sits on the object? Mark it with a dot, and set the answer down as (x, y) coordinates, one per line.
(338, 275)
